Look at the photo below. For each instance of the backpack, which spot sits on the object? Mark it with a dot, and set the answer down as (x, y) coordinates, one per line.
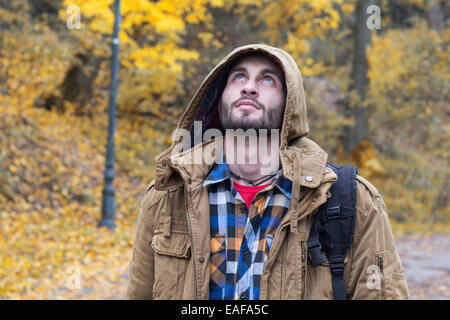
(334, 226)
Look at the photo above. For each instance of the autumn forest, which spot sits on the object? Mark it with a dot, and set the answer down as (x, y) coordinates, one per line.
(376, 84)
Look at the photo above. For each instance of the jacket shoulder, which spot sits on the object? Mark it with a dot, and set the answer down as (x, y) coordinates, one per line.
(368, 186)
(367, 194)
(370, 207)
(151, 196)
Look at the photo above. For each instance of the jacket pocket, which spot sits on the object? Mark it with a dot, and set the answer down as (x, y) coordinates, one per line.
(171, 259)
(400, 287)
(393, 284)
(217, 261)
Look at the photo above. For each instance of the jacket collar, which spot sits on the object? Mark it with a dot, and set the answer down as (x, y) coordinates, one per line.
(172, 171)
(221, 172)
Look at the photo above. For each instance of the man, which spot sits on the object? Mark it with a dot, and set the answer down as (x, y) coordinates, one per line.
(235, 224)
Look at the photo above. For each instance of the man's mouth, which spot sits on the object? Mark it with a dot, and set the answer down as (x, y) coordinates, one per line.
(247, 105)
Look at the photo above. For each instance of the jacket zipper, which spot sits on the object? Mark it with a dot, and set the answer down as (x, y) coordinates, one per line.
(380, 262)
(304, 265)
(188, 207)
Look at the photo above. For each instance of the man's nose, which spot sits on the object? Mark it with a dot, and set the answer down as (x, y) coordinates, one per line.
(250, 89)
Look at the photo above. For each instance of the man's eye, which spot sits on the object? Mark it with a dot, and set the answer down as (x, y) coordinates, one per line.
(268, 80)
(239, 77)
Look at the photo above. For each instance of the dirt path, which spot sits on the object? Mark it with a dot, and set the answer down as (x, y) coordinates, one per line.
(426, 262)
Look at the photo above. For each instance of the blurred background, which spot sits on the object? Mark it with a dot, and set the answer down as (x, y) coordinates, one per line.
(377, 90)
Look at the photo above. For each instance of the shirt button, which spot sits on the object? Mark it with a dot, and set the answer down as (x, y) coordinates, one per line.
(243, 295)
(201, 259)
(309, 178)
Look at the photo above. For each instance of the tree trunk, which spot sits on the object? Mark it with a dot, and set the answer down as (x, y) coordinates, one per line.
(359, 131)
(435, 18)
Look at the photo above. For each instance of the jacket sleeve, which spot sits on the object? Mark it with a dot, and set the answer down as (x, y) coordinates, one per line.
(376, 269)
(141, 271)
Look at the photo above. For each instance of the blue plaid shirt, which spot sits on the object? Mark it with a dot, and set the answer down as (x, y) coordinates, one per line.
(241, 237)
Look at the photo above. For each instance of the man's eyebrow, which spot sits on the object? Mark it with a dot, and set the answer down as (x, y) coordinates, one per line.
(238, 69)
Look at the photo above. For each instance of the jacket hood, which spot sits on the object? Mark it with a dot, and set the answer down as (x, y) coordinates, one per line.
(301, 158)
(203, 106)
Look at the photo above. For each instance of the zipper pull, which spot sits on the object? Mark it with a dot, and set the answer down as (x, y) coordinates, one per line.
(380, 261)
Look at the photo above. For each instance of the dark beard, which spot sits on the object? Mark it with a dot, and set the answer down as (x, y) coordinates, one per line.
(274, 118)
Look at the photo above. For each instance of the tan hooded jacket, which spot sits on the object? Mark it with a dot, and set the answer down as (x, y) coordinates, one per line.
(172, 242)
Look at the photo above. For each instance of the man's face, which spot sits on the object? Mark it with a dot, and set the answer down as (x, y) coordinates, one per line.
(253, 96)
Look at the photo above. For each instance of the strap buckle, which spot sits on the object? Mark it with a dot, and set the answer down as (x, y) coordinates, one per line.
(315, 252)
(334, 213)
(337, 264)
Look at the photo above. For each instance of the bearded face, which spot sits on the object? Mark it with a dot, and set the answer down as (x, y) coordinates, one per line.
(253, 96)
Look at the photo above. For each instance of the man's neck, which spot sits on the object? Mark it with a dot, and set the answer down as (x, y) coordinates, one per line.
(252, 158)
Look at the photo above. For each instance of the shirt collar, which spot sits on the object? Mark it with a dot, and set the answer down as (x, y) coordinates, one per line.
(221, 172)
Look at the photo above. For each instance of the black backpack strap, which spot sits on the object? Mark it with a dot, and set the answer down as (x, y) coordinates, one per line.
(334, 226)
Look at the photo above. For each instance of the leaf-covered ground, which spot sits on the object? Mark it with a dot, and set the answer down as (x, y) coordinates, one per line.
(51, 179)
(50, 200)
